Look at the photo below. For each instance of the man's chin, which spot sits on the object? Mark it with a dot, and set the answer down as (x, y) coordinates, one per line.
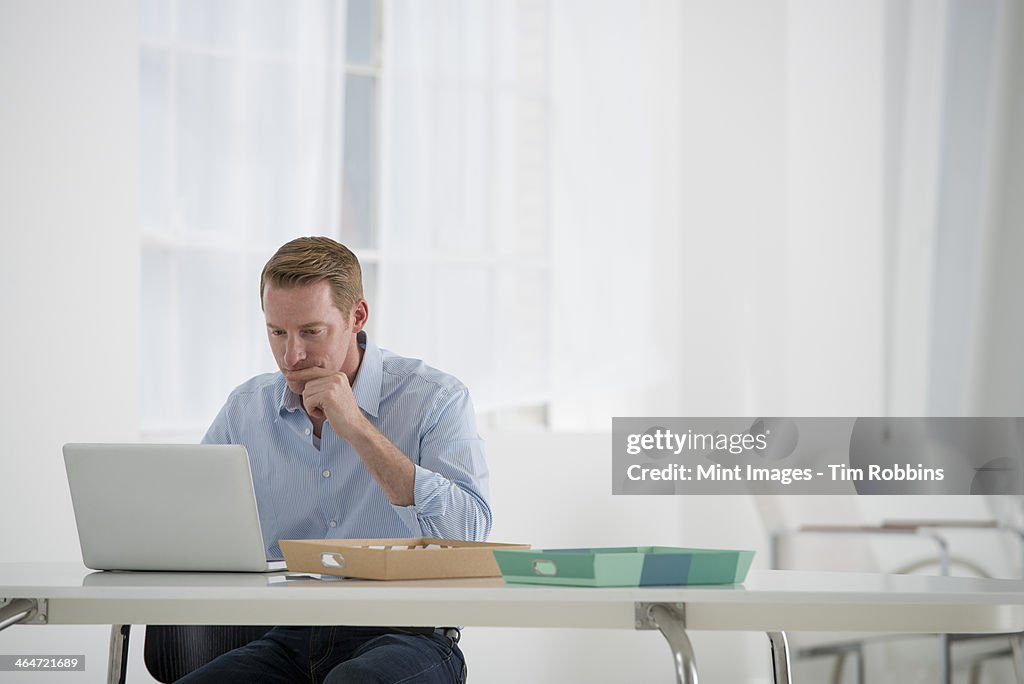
(296, 387)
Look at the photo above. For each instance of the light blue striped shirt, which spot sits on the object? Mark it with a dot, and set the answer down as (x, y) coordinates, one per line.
(305, 492)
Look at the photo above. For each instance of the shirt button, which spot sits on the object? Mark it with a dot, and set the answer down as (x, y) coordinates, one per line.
(327, 473)
(333, 523)
(307, 432)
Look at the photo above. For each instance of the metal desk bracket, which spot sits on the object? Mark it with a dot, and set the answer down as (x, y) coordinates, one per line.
(670, 619)
(644, 620)
(19, 611)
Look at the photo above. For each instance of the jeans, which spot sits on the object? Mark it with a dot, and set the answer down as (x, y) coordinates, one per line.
(338, 655)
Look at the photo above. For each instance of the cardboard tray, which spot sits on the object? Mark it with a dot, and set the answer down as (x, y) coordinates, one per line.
(394, 559)
(631, 566)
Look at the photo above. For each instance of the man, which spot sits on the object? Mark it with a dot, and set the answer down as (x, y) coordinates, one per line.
(347, 441)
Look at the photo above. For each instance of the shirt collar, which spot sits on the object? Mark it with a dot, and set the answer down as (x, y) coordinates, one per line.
(370, 376)
(367, 385)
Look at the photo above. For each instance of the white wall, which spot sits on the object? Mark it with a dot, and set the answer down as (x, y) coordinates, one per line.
(68, 273)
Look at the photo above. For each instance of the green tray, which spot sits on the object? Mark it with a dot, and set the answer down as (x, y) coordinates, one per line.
(624, 566)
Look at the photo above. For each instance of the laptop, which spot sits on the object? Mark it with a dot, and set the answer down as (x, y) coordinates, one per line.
(164, 507)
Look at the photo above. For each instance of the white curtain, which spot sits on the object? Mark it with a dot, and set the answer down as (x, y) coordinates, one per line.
(465, 257)
(615, 207)
(527, 172)
(240, 151)
(605, 208)
(951, 78)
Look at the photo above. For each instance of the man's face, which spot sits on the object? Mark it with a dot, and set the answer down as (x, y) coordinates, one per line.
(307, 330)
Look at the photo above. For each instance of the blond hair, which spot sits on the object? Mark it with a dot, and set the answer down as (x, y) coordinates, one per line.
(308, 260)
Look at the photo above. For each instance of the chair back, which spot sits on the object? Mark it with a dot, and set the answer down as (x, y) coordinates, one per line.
(172, 651)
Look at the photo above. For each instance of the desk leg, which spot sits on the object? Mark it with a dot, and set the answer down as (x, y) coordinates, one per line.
(17, 610)
(672, 625)
(1017, 644)
(780, 657)
(945, 660)
(117, 663)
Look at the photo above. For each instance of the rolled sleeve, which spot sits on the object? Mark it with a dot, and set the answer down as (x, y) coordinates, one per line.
(450, 491)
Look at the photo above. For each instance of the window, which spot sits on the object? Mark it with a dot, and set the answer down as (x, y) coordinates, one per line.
(244, 127)
(413, 132)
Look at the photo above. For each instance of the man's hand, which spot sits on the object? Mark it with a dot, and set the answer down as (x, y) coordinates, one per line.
(328, 395)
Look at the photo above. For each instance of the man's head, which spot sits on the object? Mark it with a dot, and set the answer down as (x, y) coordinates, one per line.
(312, 299)
(308, 260)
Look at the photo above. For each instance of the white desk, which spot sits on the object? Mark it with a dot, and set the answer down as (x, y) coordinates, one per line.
(769, 601)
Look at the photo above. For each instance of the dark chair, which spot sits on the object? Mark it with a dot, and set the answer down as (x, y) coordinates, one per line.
(172, 651)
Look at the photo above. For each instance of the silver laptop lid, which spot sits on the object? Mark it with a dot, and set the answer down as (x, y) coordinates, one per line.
(165, 507)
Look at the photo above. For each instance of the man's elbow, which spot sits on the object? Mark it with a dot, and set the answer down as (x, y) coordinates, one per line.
(480, 526)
